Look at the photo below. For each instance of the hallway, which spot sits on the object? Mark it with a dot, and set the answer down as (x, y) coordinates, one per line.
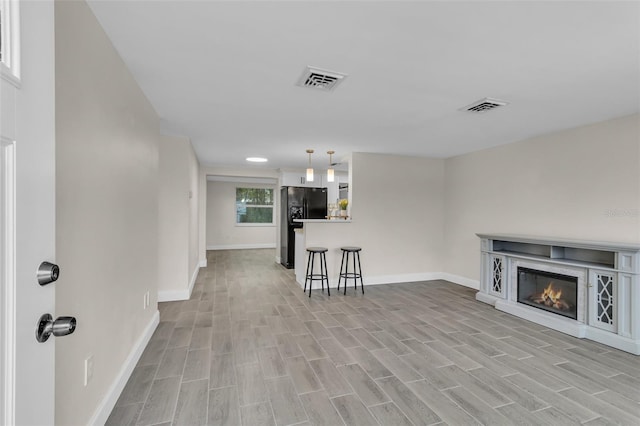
(250, 348)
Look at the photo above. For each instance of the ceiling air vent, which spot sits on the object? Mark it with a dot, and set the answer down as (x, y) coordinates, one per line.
(484, 105)
(317, 78)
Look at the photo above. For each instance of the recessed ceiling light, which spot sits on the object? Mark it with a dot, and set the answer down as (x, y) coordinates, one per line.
(257, 159)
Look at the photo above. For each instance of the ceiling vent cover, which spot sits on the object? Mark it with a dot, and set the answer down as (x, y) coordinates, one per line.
(317, 78)
(484, 105)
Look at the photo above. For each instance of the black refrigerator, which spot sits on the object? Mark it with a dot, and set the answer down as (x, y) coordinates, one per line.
(298, 203)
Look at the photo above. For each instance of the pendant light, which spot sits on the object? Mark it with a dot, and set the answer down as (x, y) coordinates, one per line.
(310, 169)
(330, 174)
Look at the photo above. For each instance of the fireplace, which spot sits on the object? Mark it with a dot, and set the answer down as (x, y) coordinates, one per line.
(548, 291)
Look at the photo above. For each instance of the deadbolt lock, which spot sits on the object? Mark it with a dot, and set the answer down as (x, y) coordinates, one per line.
(48, 273)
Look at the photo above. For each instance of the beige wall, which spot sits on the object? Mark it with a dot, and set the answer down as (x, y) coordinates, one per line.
(106, 210)
(222, 232)
(397, 208)
(177, 220)
(582, 183)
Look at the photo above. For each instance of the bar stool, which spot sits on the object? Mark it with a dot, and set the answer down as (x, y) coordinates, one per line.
(344, 272)
(323, 275)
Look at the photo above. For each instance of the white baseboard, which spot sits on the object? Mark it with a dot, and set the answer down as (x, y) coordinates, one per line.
(103, 411)
(194, 277)
(401, 278)
(406, 278)
(457, 279)
(175, 295)
(241, 246)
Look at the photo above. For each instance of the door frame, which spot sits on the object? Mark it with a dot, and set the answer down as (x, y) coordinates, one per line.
(7, 281)
(10, 81)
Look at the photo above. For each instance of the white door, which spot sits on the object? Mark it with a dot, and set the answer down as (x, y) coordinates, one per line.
(27, 220)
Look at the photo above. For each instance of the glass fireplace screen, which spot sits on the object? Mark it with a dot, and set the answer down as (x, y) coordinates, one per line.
(548, 291)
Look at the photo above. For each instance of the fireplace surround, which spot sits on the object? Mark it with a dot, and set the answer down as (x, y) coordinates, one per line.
(583, 288)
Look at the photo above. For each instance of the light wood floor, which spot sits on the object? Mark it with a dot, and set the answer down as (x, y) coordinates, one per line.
(250, 348)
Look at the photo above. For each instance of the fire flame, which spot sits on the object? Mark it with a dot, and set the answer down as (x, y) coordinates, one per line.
(550, 294)
(550, 297)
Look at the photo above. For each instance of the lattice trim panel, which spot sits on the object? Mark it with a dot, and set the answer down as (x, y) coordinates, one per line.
(497, 280)
(605, 299)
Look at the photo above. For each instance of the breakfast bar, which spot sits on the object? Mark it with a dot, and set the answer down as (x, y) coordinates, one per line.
(332, 234)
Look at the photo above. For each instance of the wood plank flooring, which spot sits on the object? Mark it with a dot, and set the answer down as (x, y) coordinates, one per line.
(250, 348)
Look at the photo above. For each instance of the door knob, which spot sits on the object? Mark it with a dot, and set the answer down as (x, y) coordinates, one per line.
(62, 326)
(47, 273)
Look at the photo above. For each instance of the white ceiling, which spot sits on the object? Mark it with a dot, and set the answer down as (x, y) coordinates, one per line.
(224, 73)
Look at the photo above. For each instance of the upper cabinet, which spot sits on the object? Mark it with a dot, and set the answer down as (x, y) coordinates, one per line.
(293, 178)
(300, 179)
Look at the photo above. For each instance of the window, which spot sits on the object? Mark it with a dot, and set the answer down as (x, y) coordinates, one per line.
(254, 206)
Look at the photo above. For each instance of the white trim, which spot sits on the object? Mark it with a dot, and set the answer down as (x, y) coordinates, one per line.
(203, 263)
(194, 277)
(7, 282)
(457, 279)
(105, 407)
(8, 76)
(406, 278)
(626, 344)
(241, 246)
(175, 295)
(401, 278)
(10, 71)
(559, 323)
(256, 224)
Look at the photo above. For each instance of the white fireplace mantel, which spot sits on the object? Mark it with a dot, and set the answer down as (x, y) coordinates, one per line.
(608, 276)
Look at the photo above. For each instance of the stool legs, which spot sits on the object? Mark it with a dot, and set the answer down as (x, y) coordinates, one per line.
(310, 275)
(359, 272)
(306, 275)
(340, 273)
(325, 275)
(344, 270)
(346, 274)
(313, 257)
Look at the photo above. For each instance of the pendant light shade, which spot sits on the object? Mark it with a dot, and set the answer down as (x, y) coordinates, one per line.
(330, 173)
(310, 169)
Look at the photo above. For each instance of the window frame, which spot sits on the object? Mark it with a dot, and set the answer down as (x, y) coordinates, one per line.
(272, 207)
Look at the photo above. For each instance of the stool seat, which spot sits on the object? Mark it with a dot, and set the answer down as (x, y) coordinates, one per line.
(317, 249)
(323, 275)
(344, 267)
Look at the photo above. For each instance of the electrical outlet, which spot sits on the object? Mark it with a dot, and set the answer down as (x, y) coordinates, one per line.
(88, 369)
